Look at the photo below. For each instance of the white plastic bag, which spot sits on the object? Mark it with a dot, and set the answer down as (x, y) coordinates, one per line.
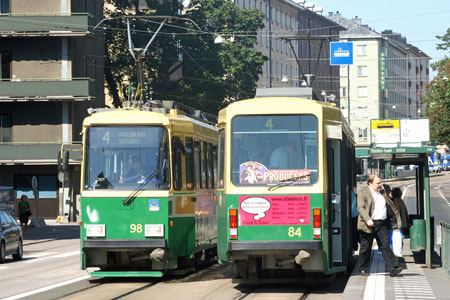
(396, 239)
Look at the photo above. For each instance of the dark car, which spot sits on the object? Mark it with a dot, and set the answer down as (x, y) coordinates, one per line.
(11, 242)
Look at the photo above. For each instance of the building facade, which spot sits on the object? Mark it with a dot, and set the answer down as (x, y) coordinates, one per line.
(386, 80)
(296, 40)
(51, 72)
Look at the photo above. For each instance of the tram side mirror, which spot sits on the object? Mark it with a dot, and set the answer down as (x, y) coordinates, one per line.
(359, 166)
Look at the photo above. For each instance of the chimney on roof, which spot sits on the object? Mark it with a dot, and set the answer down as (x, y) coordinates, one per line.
(357, 20)
(318, 10)
(300, 2)
(330, 13)
(309, 5)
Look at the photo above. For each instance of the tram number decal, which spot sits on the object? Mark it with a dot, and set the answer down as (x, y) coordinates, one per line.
(106, 137)
(135, 228)
(295, 232)
(269, 123)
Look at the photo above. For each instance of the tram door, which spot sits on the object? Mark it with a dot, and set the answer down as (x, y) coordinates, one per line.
(335, 166)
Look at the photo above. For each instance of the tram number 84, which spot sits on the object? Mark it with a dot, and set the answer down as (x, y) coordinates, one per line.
(295, 231)
(135, 228)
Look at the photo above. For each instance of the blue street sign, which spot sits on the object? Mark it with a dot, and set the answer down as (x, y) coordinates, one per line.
(341, 53)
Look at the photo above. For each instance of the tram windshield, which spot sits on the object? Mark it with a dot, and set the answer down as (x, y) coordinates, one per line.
(270, 149)
(127, 158)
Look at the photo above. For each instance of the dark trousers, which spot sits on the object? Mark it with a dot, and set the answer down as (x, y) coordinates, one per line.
(381, 232)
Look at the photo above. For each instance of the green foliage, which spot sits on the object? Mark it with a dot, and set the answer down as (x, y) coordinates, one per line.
(183, 63)
(438, 103)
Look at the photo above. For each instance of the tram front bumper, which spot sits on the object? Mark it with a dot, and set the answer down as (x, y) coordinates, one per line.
(119, 244)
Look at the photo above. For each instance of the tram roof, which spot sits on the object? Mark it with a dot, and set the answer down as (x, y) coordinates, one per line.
(285, 105)
(140, 117)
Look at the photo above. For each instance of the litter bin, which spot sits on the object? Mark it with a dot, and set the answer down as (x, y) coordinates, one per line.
(417, 235)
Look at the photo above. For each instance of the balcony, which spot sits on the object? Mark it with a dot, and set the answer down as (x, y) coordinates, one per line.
(45, 25)
(76, 89)
(34, 153)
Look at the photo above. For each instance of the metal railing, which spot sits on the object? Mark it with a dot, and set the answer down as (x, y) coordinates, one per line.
(445, 246)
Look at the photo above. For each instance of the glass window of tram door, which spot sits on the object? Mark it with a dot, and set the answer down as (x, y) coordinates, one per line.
(177, 149)
(125, 157)
(270, 148)
(190, 166)
(221, 159)
(198, 165)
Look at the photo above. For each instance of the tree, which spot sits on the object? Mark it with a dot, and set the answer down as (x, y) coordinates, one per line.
(438, 96)
(184, 63)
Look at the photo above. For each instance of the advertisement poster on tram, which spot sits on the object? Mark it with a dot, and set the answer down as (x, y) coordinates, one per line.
(274, 210)
(252, 172)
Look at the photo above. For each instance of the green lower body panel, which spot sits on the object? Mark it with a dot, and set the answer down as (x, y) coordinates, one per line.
(126, 274)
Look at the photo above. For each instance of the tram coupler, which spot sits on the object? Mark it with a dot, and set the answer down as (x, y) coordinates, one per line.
(158, 254)
(302, 255)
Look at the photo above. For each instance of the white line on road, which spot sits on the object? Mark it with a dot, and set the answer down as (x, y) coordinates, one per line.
(38, 254)
(54, 256)
(47, 288)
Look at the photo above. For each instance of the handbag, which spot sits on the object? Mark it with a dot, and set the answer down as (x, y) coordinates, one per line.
(28, 213)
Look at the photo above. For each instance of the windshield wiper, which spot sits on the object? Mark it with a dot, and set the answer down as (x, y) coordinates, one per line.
(127, 201)
(286, 182)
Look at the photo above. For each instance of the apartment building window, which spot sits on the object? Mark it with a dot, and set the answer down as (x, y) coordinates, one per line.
(249, 4)
(267, 68)
(4, 6)
(5, 65)
(265, 12)
(267, 40)
(362, 50)
(276, 42)
(362, 70)
(276, 15)
(260, 6)
(5, 127)
(281, 45)
(290, 22)
(290, 72)
(362, 134)
(362, 91)
(281, 70)
(344, 91)
(276, 69)
(343, 71)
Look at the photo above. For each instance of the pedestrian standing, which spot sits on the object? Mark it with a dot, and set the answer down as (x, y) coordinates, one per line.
(398, 233)
(24, 212)
(373, 222)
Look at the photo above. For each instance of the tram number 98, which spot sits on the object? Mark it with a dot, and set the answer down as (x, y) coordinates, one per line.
(135, 228)
(292, 232)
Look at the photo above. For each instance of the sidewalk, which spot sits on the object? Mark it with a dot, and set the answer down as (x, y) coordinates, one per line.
(415, 281)
(53, 231)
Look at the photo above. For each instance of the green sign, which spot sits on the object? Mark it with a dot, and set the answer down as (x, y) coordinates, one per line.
(401, 150)
(382, 70)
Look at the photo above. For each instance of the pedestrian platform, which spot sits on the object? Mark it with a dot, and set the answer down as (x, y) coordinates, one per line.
(52, 231)
(416, 281)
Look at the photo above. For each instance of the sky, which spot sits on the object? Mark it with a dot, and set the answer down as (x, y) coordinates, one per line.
(418, 21)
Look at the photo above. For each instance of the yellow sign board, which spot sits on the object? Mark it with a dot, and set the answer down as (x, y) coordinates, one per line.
(385, 124)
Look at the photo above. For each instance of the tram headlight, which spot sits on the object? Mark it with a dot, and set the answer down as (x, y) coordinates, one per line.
(95, 230)
(154, 230)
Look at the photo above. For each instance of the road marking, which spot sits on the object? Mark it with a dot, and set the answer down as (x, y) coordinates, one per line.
(47, 288)
(53, 256)
(38, 254)
(412, 285)
(375, 282)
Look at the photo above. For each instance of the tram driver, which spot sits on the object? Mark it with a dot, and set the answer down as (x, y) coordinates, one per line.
(279, 159)
(135, 174)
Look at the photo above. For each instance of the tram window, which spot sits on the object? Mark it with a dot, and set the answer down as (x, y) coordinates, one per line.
(176, 160)
(190, 166)
(221, 177)
(204, 165)
(127, 157)
(214, 165)
(198, 165)
(210, 166)
(270, 148)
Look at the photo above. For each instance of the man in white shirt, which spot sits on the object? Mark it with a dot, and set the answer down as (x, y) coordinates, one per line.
(373, 222)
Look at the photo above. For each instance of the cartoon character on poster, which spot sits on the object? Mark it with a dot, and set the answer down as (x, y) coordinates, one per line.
(252, 172)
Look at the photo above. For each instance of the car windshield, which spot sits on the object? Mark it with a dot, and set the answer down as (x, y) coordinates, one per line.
(269, 149)
(127, 157)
